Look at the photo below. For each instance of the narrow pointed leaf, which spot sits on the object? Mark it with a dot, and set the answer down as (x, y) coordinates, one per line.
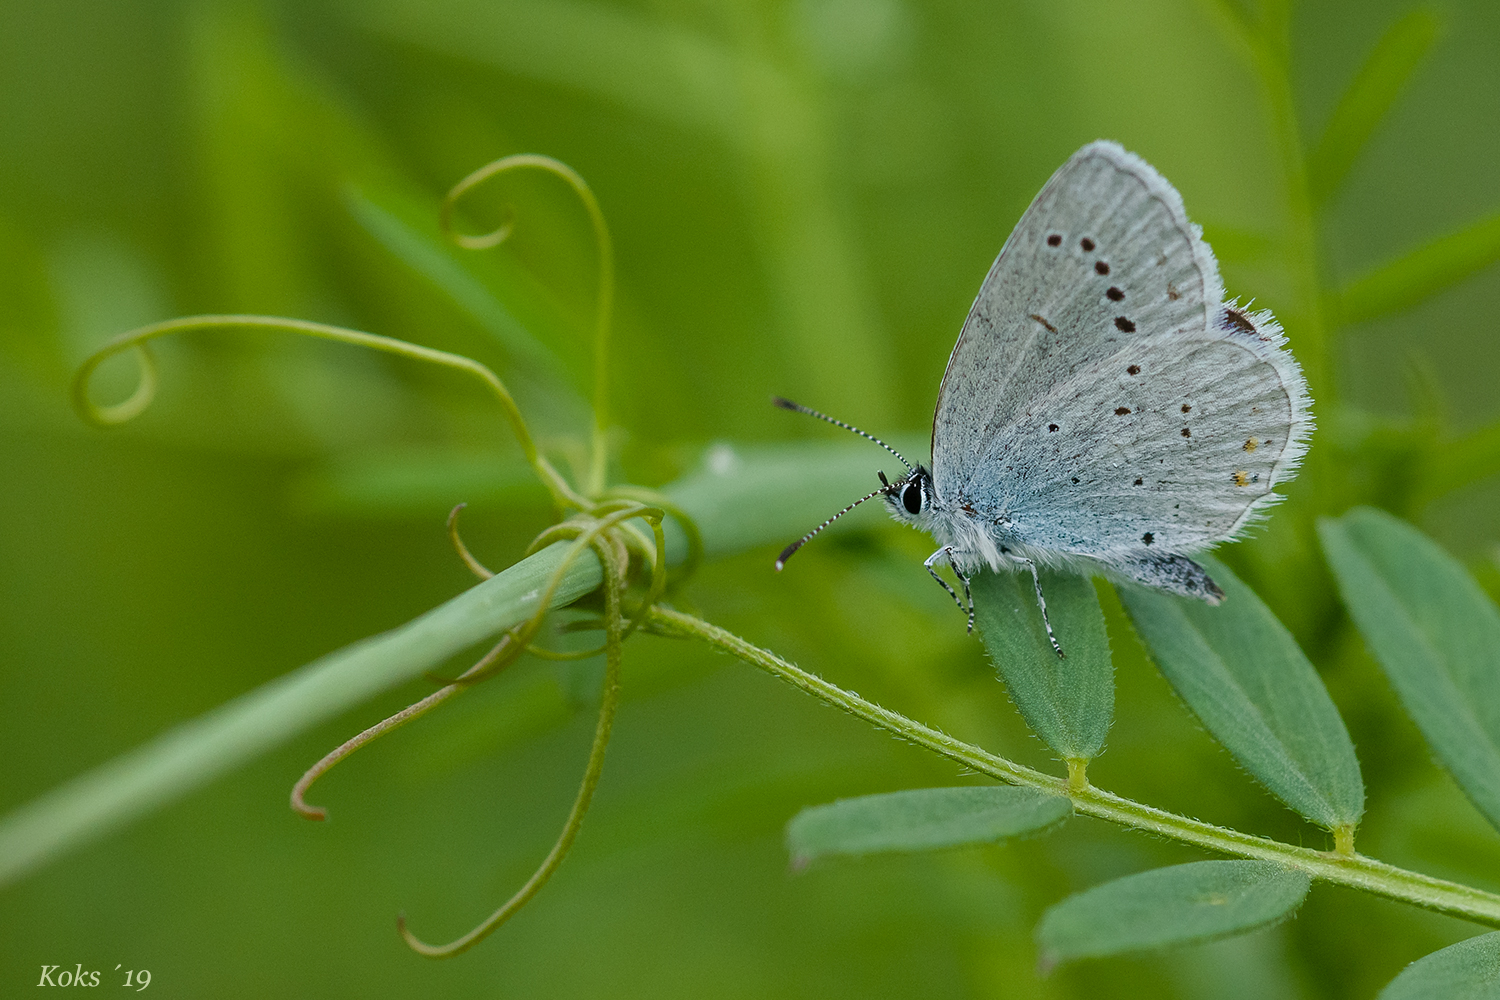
(1436, 635)
(1068, 701)
(1364, 105)
(1421, 274)
(1243, 675)
(921, 819)
(1469, 970)
(1184, 904)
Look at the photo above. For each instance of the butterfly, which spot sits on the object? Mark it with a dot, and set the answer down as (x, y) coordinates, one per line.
(1105, 408)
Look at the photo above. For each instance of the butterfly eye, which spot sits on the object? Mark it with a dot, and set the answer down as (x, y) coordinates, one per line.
(911, 498)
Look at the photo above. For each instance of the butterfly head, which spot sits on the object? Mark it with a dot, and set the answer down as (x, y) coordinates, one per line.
(910, 497)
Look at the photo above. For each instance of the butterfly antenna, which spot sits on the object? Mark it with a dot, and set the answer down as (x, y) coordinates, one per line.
(791, 549)
(787, 404)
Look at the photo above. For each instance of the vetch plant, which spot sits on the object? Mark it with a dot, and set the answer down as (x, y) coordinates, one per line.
(616, 551)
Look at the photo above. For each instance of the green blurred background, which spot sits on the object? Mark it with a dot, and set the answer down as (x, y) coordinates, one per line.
(804, 197)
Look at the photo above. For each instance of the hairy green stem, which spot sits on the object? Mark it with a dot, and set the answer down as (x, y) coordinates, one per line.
(1351, 870)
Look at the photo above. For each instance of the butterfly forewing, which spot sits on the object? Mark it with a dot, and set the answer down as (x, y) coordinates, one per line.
(1101, 398)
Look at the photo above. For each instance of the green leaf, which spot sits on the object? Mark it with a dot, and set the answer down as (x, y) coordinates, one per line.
(1069, 701)
(1421, 274)
(1436, 635)
(921, 819)
(1370, 95)
(1243, 675)
(1184, 904)
(1469, 970)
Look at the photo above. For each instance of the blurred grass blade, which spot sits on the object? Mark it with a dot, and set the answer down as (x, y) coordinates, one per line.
(1370, 96)
(727, 499)
(1069, 701)
(410, 482)
(1457, 463)
(1421, 274)
(648, 64)
(921, 819)
(1469, 970)
(1180, 905)
(272, 135)
(421, 248)
(1244, 676)
(198, 751)
(770, 118)
(728, 490)
(1435, 633)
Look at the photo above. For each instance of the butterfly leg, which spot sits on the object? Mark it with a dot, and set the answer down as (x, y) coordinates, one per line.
(947, 551)
(1041, 602)
(962, 578)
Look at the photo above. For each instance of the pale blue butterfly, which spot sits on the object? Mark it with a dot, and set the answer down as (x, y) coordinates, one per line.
(1105, 408)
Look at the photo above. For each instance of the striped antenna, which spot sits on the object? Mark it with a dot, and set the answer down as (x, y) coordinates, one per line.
(791, 549)
(787, 404)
